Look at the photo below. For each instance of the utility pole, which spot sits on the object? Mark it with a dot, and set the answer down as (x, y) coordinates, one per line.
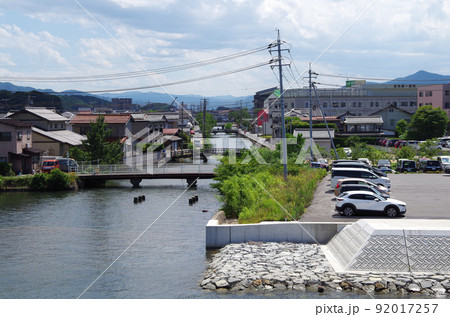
(310, 114)
(182, 125)
(283, 127)
(204, 119)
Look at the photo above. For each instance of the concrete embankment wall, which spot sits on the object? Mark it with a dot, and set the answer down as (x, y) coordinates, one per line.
(392, 245)
(219, 234)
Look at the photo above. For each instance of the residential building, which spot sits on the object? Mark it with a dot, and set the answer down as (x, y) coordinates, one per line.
(391, 115)
(362, 126)
(16, 146)
(56, 143)
(42, 118)
(120, 124)
(320, 136)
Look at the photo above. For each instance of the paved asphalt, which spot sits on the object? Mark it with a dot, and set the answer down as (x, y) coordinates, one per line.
(427, 197)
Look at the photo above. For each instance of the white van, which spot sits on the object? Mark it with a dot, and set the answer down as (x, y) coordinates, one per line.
(444, 161)
(339, 173)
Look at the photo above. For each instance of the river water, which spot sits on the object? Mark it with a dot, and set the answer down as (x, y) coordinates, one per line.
(96, 243)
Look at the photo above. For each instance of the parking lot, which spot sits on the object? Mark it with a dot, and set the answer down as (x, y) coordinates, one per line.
(427, 197)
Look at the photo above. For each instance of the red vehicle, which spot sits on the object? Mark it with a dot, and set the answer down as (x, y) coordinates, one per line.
(49, 165)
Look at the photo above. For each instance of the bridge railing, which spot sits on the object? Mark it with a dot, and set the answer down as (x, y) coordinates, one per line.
(170, 168)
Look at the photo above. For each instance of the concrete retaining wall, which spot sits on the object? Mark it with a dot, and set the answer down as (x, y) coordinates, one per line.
(219, 234)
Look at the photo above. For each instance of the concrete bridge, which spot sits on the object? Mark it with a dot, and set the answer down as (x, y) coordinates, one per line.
(99, 174)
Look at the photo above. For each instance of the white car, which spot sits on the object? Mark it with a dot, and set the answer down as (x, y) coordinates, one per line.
(349, 203)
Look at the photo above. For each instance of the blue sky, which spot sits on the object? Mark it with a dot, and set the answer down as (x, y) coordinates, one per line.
(366, 38)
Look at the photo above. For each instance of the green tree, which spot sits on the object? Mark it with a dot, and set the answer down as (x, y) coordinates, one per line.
(97, 148)
(428, 148)
(405, 152)
(428, 123)
(239, 117)
(210, 122)
(401, 128)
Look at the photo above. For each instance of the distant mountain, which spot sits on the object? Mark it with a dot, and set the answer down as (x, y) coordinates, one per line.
(422, 78)
(141, 98)
(14, 88)
(144, 98)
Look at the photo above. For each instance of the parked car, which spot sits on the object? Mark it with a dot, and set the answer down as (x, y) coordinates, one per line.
(404, 165)
(365, 160)
(359, 181)
(356, 187)
(350, 203)
(319, 165)
(360, 164)
(384, 165)
(444, 161)
(339, 173)
(430, 166)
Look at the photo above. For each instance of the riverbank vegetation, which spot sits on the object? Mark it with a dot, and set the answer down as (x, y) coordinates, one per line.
(53, 181)
(253, 188)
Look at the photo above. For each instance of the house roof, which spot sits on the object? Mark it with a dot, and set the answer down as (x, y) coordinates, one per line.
(83, 118)
(15, 123)
(44, 113)
(63, 136)
(395, 107)
(364, 120)
(170, 131)
(320, 118)
(316, 133)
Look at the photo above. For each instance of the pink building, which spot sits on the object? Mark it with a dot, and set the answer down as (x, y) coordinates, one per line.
(15, 146)
(437, 96)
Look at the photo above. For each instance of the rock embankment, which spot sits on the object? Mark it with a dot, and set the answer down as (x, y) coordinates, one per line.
(257, 266)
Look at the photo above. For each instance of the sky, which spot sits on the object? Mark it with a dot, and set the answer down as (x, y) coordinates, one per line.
(46, 43)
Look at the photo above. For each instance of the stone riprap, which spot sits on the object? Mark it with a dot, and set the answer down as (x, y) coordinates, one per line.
(267, 266)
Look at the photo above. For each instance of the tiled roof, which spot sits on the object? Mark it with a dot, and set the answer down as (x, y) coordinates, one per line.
(109, 118)
(364, 120)
(15, 123)
(170, 131)
(316, 133)
(47, 114)
(63, 136)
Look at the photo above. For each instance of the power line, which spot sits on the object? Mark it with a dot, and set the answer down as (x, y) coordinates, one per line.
(172, 83)
(141, 73)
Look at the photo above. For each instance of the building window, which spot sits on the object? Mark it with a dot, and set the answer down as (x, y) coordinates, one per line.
(404, 103)
(354, 104)
(394, 103)
(420, 104)
(391, 109)
(359, 104)
(412, 104)
(371, 103)
(420, 93)
(377, 104)
(324, 105)
(335, 104)
(392, 122)
(19, 136)
(447, 105)
(342, 104)
(447, 92)
(5, 136)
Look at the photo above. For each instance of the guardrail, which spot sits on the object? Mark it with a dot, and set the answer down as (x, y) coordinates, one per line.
(93, 169)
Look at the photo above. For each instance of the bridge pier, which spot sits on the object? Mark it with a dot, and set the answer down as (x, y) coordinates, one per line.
(192, 182)
(135, 182)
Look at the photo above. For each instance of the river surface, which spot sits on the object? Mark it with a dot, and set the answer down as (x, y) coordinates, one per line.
(96, 243)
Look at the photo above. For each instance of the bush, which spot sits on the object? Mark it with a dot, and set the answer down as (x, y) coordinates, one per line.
(16, 181)
(39, 182)
(5, 169)
(58, 180)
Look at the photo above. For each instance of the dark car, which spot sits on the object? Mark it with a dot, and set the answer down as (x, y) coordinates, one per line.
(430, 166)
(353, 187)
(404, 165)
(319, 165)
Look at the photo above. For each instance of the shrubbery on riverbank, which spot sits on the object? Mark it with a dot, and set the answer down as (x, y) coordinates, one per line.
(253, 189)
(54, 181)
